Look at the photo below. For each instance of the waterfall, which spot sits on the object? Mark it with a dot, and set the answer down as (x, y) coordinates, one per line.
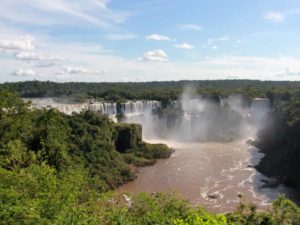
(131, 108)
(128, 108)
(189, 118)
(194, 118)
(259, 108)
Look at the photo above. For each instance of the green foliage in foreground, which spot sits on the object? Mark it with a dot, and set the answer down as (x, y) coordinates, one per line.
(37, 195)
(57, 169)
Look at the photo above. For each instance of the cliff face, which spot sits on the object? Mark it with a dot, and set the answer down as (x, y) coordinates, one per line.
(128, 141)
(280, 141)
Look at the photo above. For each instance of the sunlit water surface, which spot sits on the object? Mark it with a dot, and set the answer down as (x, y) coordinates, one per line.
(209, 174)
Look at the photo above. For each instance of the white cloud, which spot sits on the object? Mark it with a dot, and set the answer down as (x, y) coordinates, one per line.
(28, 56)
(217, 67)
(80, 70)
(194, 27)
(277, 17)
(90, 57)
(17, 44)
(224, 38)
(70, 69)
(155, 56)
(158, 37)
(120, 37)
(46, 63)
(184, 46)
(38, 59)
(24, 72)
(32, 56)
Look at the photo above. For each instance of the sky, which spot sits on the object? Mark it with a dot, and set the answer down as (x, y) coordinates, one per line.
(138, 40)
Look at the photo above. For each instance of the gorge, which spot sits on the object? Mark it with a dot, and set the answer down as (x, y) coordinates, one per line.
(212, 163)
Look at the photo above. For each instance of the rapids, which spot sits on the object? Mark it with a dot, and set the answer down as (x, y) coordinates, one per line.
(209, 174)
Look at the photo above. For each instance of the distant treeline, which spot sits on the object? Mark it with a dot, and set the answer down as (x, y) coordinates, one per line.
(162, 91)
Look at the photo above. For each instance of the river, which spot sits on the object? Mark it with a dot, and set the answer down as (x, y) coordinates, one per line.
(209, 174)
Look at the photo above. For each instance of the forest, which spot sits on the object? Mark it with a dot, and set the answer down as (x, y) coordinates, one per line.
(161, 91)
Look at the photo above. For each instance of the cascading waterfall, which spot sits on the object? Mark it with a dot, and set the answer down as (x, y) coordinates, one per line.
(259, 108)
(194, 118)
(109, 108)
(138, 107)
(191, 118)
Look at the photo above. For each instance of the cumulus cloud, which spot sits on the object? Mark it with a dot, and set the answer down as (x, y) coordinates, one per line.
(194, 27)
(273, 16)
(80, 70)
(17, 44)
(90, 56)
(158, 37)
(46, 63)
(184, 46)
(28, 56)
(24, 72)
(156, 55)
(70, 69)
(40, 60)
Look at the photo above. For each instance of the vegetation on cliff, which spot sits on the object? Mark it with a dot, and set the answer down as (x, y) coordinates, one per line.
(280, 142)
(88, 140)
(128, 140)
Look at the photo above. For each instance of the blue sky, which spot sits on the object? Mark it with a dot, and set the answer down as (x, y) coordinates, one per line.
(134, 40)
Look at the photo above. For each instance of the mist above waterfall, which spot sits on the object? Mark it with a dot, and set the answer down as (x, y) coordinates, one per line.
(192, 118)
(195, 118)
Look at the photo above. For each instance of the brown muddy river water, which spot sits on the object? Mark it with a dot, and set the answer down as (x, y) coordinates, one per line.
(209, 174)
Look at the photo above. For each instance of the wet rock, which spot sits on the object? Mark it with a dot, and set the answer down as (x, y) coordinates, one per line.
(272, 182)
(213, 196)
(251, 141)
